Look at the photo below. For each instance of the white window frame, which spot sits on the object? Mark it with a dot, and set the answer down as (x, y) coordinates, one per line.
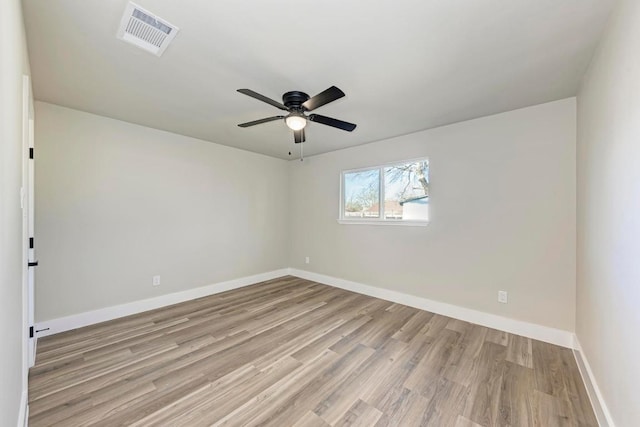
(380, 220)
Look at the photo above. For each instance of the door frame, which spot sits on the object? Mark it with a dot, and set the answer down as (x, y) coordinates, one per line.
(27, 204)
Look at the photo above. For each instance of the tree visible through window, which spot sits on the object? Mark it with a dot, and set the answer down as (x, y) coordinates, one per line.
(393, 192)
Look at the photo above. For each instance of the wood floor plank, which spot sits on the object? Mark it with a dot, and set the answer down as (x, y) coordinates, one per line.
(216, 408)
(144, 371)
(354, 386)
(519, 351)
(103, 371)
(326, 341)
(465, 422)
(191, 410)
(292, 401)
(373, 334)
(401, 407)
(303, 338)
(464, 358)
(90, 415)
(434, 363)
(498, 337)
(294, 352)
(547, 368)
(392, 379)
(576, 399)
(447, 400)
(435, 325)
(251, 408)
(413, 325)
(310, 419)
(549, 412)
(482, 407)
(516, 395)
(361, 415)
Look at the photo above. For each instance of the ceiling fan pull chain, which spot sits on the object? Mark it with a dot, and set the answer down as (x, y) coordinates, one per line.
(301, 152)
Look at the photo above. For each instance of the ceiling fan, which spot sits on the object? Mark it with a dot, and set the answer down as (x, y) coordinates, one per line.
(297, 103)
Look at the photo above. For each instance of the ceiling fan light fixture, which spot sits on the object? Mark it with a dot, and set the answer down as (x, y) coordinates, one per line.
(295, 121)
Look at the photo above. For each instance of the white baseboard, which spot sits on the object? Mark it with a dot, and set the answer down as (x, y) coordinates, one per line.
(75, 321)
(531, 330)
(597, 400)
(32, 356)
(23, 415)
(518, 327)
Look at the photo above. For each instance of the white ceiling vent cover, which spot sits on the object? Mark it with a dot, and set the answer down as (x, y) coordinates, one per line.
(145, 30)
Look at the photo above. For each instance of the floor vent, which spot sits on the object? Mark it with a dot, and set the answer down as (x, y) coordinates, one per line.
(145, 30)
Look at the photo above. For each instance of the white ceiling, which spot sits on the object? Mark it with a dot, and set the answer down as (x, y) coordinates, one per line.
(405, 65)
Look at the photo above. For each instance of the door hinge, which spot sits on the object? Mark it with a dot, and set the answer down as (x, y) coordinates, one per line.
(30, 242)
(31, 152)
(30, 331)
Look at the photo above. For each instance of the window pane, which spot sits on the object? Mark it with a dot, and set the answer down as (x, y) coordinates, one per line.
(362, 194)
(406, 191)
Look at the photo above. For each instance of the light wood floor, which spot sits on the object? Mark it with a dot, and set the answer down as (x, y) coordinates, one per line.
(290, 352)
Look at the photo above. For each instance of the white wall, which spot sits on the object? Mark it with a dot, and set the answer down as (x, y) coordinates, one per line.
(502, 212)
(608, 281)
(118, 203)
(13, 65)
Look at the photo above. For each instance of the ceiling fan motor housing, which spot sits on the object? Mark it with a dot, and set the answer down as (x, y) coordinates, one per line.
(294, 99)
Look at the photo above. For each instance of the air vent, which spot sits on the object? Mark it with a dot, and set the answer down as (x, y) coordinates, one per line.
(145, 30)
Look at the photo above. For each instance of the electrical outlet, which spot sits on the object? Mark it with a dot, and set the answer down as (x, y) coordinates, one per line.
(156, 281)
(306, 260)
(502, 297)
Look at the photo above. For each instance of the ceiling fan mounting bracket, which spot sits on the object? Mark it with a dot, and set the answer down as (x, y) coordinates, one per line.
(294, 99)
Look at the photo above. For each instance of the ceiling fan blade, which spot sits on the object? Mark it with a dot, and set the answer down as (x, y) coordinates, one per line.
(298, 136)
(263, 98)
(323, 98)
(332, 122)
(257, 122)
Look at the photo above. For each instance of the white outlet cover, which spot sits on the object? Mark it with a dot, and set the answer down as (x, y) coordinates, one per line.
(502, 297)
(156, 280)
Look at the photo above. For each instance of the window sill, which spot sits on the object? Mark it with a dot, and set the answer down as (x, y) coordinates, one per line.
(383, 222)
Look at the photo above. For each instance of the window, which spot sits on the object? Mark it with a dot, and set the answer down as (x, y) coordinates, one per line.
(389, 194)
